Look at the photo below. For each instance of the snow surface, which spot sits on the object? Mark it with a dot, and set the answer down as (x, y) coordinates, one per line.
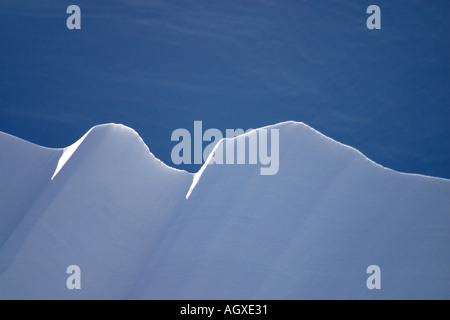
(108, 205)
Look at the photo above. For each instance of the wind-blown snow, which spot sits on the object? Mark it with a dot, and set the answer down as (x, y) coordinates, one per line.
(139, 229)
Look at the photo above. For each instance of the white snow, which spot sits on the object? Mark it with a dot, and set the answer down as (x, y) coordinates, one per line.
(139, 229)
(68, 152)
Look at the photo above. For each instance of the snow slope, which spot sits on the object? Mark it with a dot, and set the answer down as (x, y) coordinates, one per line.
(310, 231)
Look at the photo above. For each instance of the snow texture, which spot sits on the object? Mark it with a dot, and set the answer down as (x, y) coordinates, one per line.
(109, 206)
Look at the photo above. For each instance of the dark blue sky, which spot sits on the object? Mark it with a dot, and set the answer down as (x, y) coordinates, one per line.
(159, 65)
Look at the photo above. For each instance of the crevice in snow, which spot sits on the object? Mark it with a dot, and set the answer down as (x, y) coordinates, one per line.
(67, 154)
(207, 162)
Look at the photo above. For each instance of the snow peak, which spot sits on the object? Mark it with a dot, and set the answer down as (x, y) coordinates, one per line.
(191, 310)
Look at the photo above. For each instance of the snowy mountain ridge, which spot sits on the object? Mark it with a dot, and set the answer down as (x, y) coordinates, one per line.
(140, 229)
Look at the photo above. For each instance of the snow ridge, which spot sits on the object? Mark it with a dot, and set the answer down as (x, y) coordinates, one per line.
(139, 229)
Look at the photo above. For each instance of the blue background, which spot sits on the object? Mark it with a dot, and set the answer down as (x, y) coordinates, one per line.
(159, 65)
